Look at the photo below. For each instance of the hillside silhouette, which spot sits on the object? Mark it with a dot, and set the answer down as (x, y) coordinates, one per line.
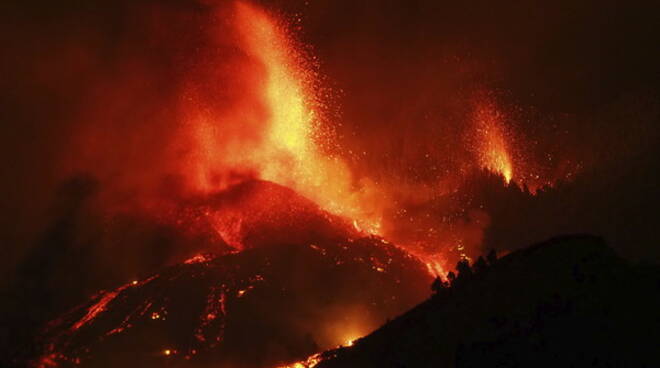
(567, 302)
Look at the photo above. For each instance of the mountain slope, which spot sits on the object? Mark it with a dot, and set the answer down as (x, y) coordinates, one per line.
(254, 308)
(568, 302)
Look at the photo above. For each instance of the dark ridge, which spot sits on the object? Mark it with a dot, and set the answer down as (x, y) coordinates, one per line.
(567, 302)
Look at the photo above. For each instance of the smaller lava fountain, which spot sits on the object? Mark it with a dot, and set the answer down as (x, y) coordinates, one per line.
(494, 152)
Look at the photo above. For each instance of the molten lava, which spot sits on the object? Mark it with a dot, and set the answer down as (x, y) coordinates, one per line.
(286, 146)
(249, 107)
(494, 152)
(254, 308)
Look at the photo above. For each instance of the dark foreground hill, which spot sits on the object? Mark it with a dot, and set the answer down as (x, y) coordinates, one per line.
(569, 302)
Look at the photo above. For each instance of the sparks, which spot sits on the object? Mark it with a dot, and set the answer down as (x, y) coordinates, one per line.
(494, 152)
(290, 134)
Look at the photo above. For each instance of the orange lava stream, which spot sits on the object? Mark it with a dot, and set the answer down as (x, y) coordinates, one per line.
(310, 362)
(99, 306)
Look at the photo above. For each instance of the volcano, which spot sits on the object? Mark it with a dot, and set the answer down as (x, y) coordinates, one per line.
(247, 184)
(273, 302)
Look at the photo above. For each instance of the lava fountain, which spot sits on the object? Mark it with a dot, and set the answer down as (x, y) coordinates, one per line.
(493, 147)
(292, 145)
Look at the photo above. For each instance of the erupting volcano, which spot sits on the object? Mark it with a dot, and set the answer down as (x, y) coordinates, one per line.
(250, 185)
(293, 258)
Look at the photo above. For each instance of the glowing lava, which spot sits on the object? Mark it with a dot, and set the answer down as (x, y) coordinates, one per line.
(231, 308)
(310, 362)
(280, 128)
(494, 152)
(270, 130)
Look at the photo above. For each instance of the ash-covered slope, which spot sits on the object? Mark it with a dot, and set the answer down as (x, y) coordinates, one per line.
(256, 308)
(569, 302)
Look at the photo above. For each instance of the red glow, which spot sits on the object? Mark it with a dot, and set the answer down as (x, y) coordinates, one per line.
(255, 111)
(272, 129)
(281, 141)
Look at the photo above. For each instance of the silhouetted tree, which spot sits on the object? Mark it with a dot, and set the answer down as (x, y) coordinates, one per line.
(464, 269)
(480, 265)
(437, 286)
(492, 257)
(451, 276)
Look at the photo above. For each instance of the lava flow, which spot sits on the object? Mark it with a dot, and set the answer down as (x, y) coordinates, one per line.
(256, 308)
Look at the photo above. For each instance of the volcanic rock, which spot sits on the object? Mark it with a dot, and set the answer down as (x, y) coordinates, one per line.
(254, 308)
